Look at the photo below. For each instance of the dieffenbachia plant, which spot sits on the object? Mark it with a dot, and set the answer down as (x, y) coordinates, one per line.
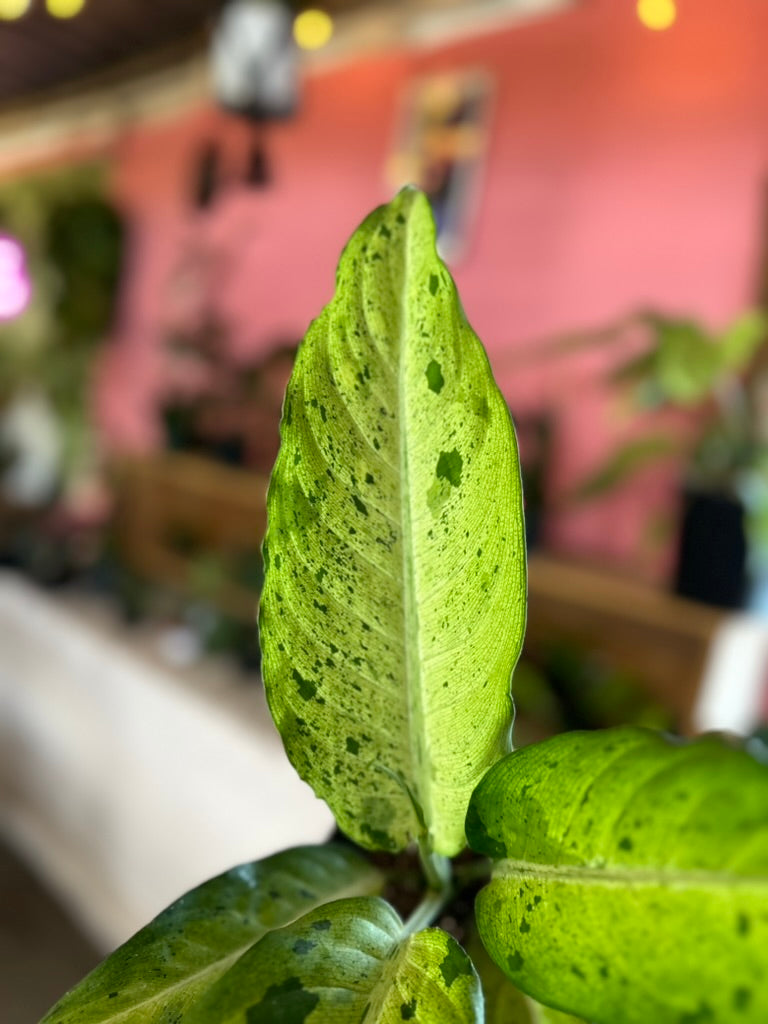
(628, 872)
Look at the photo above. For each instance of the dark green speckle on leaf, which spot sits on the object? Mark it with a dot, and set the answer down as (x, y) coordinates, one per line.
(303, 946)
(515, 962)
(449, 467)
(307, 689)
(434, 375)
(455, 964)
(288, 1003)
(742, 997)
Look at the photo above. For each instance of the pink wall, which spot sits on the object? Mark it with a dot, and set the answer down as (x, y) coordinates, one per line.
(625, 168)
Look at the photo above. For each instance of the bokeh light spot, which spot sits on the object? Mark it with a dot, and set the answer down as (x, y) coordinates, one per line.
(312, 29)
(657, 14)
(10, 10)
(64, 8)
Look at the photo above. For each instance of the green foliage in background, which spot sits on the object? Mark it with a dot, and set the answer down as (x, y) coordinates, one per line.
(686, 367)
(629, 873)
(687, 363)
(74, 239)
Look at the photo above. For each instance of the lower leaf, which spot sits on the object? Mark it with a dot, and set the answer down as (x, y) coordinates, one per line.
(161, 972)
(630, 881)
(349, 962)
(504, 1002)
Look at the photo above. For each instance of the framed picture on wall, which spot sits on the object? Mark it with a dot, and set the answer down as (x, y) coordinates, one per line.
(440, 147)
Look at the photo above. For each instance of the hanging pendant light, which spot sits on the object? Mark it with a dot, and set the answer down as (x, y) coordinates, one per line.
(255, 60)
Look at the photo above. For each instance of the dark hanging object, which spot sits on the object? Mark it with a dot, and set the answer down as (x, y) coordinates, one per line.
(206, 180)
(257, 173)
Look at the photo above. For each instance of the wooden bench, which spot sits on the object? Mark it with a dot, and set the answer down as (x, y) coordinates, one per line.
(174, 507)
(177, 511)
(662, 640)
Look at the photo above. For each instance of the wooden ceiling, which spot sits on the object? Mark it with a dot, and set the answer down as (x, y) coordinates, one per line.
(39, 53)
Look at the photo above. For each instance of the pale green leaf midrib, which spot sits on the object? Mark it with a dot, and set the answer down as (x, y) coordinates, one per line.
(411, 632)
(630, 875)
(216, 969)
(390, 968)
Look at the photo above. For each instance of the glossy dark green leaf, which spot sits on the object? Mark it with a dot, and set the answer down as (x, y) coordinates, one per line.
(630, 882)
(394, 600)
(349, 962)
(166, 967)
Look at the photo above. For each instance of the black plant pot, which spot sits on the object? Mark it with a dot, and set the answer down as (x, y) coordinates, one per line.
(712, 559)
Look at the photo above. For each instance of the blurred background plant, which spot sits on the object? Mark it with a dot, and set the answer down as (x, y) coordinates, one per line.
(718, 381)
(566, 686)
(689, 368)
(73, 240)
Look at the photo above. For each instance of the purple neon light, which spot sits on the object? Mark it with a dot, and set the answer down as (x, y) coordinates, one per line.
(15, 285)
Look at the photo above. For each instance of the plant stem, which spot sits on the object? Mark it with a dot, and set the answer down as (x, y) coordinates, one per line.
(437, 870)
(424, 915)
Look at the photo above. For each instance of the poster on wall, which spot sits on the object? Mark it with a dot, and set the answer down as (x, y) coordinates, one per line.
(440, 147)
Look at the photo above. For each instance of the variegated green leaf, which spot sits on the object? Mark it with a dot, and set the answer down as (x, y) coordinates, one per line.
(349, 962)
(168, 966)
(394, 600)
(504, 1002)
(631, 877)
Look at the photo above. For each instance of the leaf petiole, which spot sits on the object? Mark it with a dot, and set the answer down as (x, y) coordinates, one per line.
(427, 912)
(439, 878)
(437, 870)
